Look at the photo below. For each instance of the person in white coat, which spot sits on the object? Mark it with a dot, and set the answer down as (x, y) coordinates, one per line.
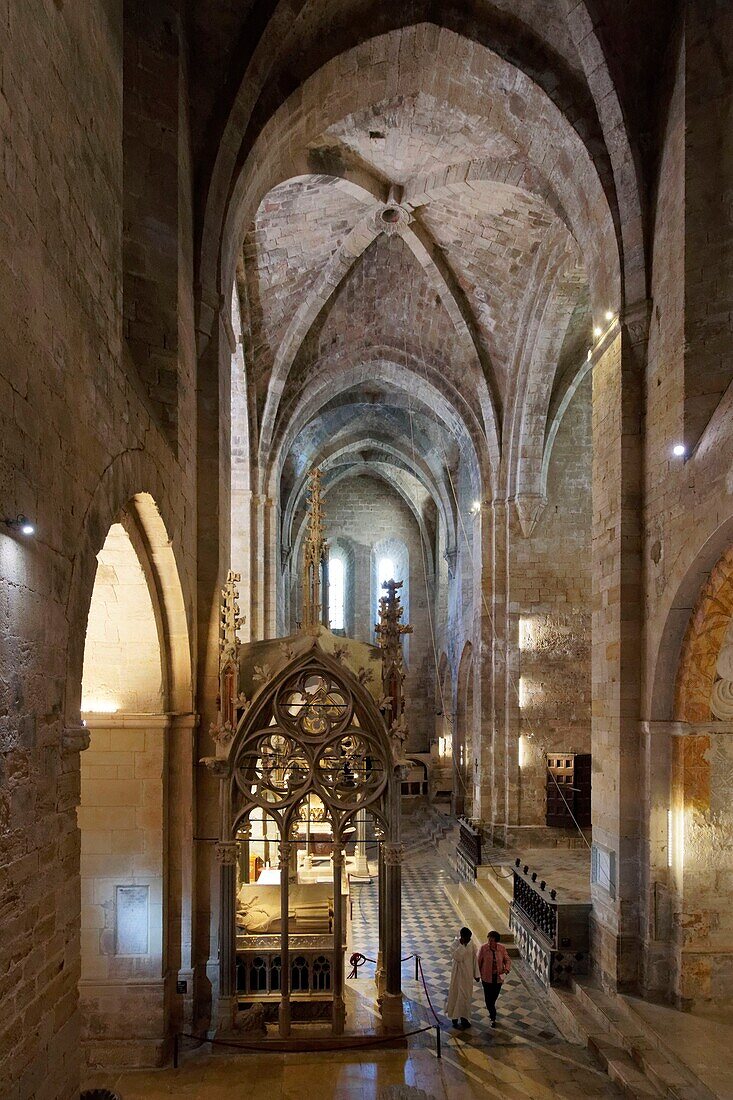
(464, 972)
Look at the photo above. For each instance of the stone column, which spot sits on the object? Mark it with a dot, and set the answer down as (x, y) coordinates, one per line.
(361, 863)
(284, 1018)
(271, 566)
(379, 973)
(258, 567)
(227, 853)
(656, 884)
(392, 999)
(213, 530)
(365, 612)
(618, 371)
(339, 1011)
(182, 860)
(482, 766)
(701, 828)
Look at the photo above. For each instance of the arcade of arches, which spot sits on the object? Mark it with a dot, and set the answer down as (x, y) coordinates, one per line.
(474, 263)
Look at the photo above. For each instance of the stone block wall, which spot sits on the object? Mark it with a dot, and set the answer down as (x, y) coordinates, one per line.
(688, 501)
(361, 513)
(80, 439)
(549, 607)
(122, 817)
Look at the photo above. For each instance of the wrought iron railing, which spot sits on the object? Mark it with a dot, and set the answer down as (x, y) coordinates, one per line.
(541, 911)
(468, 851)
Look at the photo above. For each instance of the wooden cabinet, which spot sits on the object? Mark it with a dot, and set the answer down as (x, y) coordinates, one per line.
(568, 789)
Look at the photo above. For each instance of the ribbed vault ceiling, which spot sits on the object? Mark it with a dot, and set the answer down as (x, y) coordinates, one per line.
(412, 339)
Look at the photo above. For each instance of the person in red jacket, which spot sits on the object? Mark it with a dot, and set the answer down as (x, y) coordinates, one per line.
(494, 964)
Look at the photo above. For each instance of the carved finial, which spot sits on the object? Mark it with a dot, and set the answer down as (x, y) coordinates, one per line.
(390, 630)
(222, 731)
(315, 556)
(230, 621)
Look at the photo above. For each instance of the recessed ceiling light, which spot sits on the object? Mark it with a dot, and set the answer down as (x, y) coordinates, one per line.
(678, 449)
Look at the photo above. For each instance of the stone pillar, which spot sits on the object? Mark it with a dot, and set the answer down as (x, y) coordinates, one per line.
(284, 1018)
(213, 530)
(339, 1011)
(227, 853)
(618, 371)
(656, 874)
(392, 1014)
(365, 612)
(482, 764)
(379, 973)
(701, 834)
(271, 566)
(361, 863)
(182, 861)
(499, 671)
(257, 573)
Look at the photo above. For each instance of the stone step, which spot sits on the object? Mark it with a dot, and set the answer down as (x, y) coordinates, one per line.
(656, 1060)
(492, 915)
(471, 909)
(659, 1043)
(606, 1025)
(496, 897)
(622, 1070)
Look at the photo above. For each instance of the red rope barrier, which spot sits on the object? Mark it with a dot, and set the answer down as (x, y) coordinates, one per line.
(425, 987)
(366, 1040)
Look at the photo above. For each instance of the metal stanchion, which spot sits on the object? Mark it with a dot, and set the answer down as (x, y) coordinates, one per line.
(437, 1042)
(417, 968)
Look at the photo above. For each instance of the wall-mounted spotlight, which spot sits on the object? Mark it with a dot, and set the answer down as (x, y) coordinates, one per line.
(678, 449)
(597, 331)
(20, 523)
(475, 507)
(609, 314)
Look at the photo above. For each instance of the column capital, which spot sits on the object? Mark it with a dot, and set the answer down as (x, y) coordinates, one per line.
(636, 320)
(188, 721)
(74, 739)
(218, 766)
(393, 854)
(227, 852)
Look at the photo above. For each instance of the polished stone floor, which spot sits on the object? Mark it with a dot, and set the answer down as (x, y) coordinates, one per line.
(525, 1058)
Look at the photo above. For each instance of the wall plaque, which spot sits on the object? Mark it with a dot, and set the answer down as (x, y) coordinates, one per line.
(131, 932)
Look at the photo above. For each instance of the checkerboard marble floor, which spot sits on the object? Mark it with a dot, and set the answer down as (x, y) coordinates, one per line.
(429, 926)
(525, 1058)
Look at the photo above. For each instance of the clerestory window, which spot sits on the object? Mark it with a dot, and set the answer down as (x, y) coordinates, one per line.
(336, 593)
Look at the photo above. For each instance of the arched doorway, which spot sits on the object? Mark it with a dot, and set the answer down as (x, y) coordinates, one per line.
(136, 805)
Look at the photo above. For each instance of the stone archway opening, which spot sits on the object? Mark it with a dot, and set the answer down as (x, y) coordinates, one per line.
(135, 907)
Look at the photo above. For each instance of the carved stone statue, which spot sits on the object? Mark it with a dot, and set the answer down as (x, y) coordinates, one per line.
(251, 1020)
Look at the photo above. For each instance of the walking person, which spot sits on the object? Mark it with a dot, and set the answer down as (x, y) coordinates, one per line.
(464, 972)
(494, 964)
